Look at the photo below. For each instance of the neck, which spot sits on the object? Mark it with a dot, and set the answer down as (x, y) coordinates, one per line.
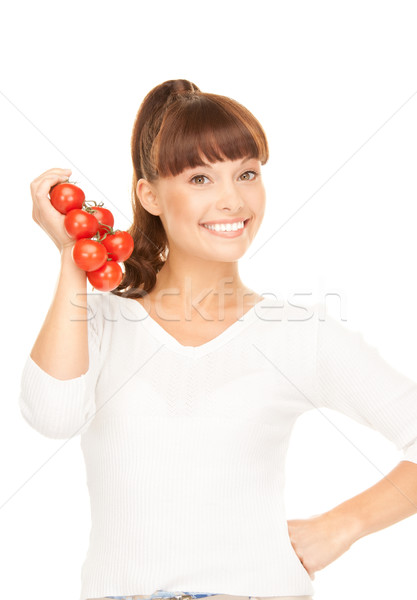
(215, 285)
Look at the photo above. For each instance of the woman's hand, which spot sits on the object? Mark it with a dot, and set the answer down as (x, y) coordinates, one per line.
(319, 540)
(43, 213)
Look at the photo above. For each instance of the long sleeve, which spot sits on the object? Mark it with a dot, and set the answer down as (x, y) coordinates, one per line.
(353, 378)
(63, 408)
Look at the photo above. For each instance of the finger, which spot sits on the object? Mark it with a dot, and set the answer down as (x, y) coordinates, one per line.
(42, 188)
(52, 171)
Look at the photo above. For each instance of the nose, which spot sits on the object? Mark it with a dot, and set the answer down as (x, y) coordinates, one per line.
(229, 198)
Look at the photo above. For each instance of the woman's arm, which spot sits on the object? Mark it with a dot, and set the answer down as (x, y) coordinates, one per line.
(61, 346)
(353, 378)
(392, 499)
(321, 539)
(58, 381)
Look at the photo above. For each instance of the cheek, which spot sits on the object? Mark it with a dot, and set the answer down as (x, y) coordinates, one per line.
(182, 218)
(261, 209)
(261, 202)
(257, 204)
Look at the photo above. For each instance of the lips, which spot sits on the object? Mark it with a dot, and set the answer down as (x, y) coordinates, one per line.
(227, 234)
(225, 221)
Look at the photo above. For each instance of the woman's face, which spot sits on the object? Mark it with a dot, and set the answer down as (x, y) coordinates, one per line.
(224, 192)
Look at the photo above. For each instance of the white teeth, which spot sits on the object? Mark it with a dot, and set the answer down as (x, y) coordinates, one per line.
(226, 226)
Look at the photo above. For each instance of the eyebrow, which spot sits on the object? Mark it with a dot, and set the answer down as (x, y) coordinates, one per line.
(207, 166)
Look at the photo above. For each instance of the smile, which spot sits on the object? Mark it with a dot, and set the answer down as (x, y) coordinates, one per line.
(228, 230)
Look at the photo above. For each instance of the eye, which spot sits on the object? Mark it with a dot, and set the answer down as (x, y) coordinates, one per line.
(198, 177)
(254, 172)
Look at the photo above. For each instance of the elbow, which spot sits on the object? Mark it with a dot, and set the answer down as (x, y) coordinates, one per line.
(410, 451)
(57, 409)
(53, 424)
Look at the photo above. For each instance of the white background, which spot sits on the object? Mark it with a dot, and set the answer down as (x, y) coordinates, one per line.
(334, 86)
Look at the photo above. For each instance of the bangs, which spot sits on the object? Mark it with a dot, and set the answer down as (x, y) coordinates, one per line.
(212, 127)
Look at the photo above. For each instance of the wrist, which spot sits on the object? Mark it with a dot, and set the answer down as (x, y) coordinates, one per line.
(67, 263)
(346, 526)
(66, 249)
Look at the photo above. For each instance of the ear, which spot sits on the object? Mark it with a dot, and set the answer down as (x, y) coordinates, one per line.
(146, 193)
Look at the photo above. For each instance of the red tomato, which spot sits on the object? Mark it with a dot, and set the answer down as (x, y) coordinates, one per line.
(106, 278)
(66, 197)
(119, 245)
(105, 217)
(80, 224)
(88, 255)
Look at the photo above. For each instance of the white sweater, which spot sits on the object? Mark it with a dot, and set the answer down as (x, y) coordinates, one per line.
(185, 446)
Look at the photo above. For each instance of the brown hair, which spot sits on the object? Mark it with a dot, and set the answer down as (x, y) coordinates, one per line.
(175, 127)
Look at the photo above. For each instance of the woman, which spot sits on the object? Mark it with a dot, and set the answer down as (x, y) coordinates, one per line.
(184, 383)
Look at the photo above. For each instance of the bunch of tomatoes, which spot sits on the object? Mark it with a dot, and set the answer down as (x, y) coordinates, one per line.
(99, 248)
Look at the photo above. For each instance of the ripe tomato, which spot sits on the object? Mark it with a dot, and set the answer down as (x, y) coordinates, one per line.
(88, 255)
(66, 197)
(80, 224)
(119, 245)
(105, 216)
(106, 278)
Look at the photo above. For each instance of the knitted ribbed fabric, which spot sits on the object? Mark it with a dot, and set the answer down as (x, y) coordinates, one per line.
(185, 446)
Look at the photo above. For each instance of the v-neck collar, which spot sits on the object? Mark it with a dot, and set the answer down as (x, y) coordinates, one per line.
(159, 333)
